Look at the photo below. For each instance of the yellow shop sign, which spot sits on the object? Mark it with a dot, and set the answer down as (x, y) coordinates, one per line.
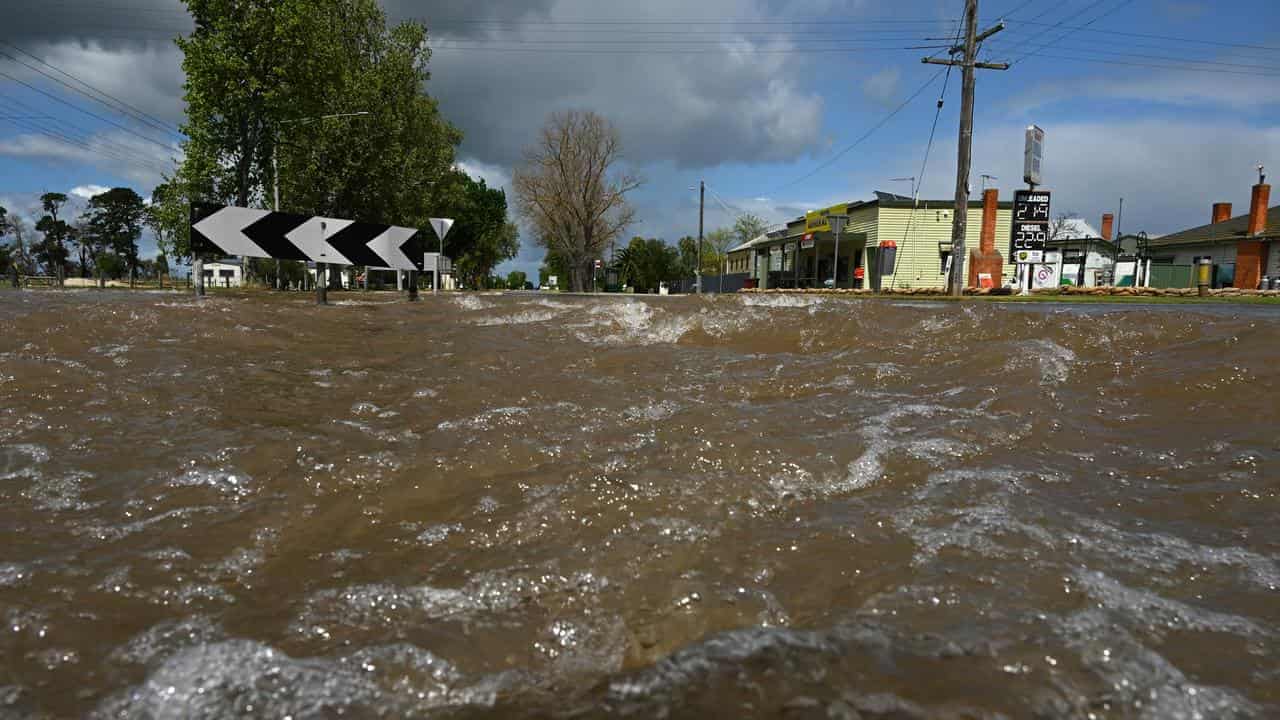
(816, 220)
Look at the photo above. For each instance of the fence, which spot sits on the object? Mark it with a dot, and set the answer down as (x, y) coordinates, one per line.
(1170, 276)
(731, 283)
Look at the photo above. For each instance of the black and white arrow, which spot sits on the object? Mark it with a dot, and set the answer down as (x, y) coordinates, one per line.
(227, 230)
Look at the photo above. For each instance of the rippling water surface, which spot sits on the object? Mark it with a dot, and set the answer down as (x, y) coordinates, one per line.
(740, 506)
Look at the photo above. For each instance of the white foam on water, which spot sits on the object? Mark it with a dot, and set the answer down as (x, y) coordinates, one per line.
(782, 301)
(1054, 361)
(229, 483)
(1147, 608)
(471, 303)
(497, 417)
(527, 317)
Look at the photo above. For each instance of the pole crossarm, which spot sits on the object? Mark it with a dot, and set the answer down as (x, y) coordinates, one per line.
(960, 63)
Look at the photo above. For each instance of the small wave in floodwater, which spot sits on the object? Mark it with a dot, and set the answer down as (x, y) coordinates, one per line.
(540, 506)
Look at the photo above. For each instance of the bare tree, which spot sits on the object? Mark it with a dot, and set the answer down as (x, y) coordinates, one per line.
(569, 190)
(1060, 226)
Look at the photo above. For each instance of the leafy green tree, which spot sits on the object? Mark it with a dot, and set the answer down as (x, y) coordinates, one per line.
(52, 250)
(553, 265)
(481, 237)
(689, 256)
(515, 280)
(169, 218)
(259, 74)
(20, 260)
(715, 251)
(113, 224)
(644, 264)
(749, 227)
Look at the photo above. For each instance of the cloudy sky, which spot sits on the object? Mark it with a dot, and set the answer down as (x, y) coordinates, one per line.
(780, 105)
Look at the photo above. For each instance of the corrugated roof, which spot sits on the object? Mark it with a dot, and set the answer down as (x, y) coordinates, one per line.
(1224, 232)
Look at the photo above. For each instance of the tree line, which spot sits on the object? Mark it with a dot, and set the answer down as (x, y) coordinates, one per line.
(645, 263)
(102, 242)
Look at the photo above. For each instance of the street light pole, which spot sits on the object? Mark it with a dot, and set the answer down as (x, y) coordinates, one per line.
(275, 174)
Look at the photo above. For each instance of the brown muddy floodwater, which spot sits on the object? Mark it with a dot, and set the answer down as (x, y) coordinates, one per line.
(527, 506)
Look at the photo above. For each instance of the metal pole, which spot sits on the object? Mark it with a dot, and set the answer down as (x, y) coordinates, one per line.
(275, 191)
(965, 155)
(435, 274)
(702, 199)
(1115, 248)
(322, 280)
(835, 262)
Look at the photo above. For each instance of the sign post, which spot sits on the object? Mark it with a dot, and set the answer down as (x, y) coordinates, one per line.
(441, 226)
(837, 223)
(1030, 232)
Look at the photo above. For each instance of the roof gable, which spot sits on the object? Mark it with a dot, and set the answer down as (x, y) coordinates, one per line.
(1225, 231)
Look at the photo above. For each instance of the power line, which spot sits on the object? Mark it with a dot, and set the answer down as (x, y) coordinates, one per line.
(1063, 36)
(80, 109)
(1030, 38)
(68, 140)
(863, 137)
(915, 192)
(675, 51)
(1153, 65)
(128, 109)
(88, 139)
(1148, 36)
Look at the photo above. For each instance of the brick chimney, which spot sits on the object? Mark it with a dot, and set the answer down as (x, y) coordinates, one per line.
(1221, 212)
(986, 259)
(1108, 222)
(1258, 208)
(990, 208)
(1251, 255)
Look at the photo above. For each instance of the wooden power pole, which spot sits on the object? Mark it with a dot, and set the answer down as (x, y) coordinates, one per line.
(968, 63)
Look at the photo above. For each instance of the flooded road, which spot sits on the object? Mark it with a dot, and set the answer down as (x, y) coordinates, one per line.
(484, 506)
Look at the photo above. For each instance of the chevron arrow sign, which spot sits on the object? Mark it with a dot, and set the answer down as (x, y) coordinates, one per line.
(228, 230)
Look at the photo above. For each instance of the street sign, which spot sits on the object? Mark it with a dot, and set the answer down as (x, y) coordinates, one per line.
(1030, 227)
(441, 226)
(1033, 155)
(249, 232)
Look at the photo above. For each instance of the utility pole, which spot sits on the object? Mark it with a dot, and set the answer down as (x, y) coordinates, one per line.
(968, 63)
(702, 201)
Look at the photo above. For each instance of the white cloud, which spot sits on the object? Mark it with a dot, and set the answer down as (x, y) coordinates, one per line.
(495, 176)
(116, 152)
(88, 191)
(1168, 172)
(882, 87)
(1212, 91)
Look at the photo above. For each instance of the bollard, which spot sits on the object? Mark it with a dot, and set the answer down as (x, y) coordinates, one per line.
(1202, 276)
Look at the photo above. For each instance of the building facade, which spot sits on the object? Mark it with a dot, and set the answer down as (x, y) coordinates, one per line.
(223, 273)
(807, 254)
(1243, 250)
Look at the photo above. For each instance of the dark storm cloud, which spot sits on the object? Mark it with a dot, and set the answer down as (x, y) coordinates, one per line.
(468, 18)
(109, 25)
